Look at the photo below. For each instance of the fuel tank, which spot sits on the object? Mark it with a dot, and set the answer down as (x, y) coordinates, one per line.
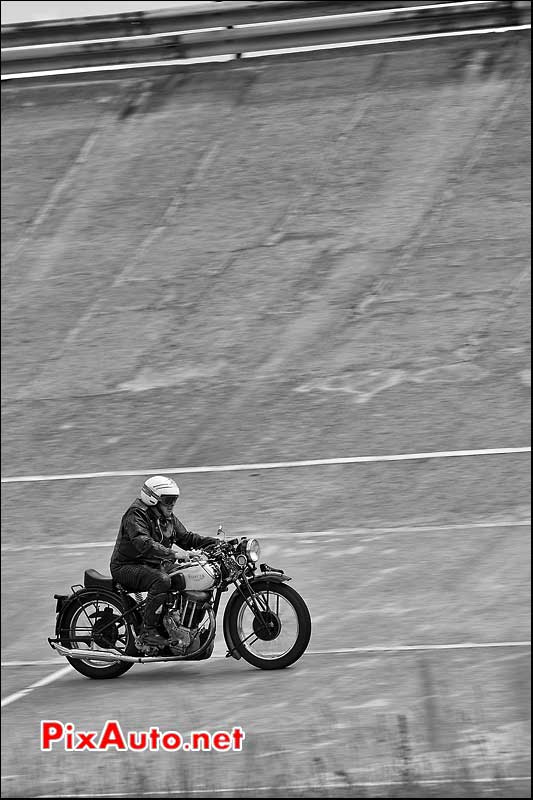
(198, 577)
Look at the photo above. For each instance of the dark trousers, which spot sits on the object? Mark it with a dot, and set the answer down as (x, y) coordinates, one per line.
(143, 578)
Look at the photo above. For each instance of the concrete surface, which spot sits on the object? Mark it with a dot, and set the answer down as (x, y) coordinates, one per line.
(275, 262)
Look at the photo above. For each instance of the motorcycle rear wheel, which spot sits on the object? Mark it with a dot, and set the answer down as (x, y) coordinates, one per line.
(80, 620)
(278, 637)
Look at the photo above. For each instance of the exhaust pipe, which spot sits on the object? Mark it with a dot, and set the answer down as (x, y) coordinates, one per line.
(92, 655)
(114, 655)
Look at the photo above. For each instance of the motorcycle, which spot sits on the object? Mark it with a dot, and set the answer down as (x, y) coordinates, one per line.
(265, 622)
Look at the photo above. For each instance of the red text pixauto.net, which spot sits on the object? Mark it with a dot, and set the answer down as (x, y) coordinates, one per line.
(111, 736)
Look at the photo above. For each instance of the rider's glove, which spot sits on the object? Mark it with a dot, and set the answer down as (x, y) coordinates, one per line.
(171, 556)
(209, 542)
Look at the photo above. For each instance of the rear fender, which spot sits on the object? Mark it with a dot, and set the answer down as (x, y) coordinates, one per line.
(61, 601)
(65, 604)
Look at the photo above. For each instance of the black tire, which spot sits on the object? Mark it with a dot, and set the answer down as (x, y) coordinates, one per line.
(121, 636)
(241, 618)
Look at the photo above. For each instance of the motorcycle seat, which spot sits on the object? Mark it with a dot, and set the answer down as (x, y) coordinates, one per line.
(94, 579)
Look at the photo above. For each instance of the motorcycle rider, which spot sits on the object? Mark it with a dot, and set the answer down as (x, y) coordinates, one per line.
(143, 552)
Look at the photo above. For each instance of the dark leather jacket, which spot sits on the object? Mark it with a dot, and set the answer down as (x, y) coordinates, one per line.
(145, 537)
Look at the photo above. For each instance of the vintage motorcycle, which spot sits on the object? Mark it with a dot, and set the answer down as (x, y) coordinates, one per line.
(265, 621)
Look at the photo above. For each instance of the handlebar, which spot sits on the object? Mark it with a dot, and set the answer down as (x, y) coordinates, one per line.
(211, 549)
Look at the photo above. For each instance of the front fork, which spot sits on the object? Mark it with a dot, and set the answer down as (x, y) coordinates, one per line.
(247, 589)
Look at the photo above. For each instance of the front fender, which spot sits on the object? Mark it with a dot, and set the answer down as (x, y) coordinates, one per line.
(270, 577)
(225, 626)
(265, 577)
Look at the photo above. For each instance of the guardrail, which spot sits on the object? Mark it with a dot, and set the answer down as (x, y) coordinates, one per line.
(205, 15)
(237, 28)
(225, 14)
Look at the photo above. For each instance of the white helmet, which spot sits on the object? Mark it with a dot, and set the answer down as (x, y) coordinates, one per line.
(157, 487)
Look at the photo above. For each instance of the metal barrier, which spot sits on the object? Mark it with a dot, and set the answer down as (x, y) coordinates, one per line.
(237, 28)
(226, 14)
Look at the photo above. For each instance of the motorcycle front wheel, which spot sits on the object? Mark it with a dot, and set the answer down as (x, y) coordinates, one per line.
(95, 623)
(270, 628)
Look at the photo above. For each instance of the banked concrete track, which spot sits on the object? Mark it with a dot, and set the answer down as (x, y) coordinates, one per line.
(282, 261)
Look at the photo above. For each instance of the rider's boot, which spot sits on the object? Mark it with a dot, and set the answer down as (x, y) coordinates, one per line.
(149, 635)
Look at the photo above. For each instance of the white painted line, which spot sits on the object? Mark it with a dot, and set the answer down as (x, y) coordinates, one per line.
(49, 662)
(318, 462)
(43, 682)
(405, 529)
(287, 535)
(115, 67)
(392, 40)
(209, 59)
(82, 546)
(408, 648)
(105, 40)
(400, 648)
(350, 14)
(274, 790)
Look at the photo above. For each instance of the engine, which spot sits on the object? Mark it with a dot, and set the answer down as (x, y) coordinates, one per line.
(184, 622)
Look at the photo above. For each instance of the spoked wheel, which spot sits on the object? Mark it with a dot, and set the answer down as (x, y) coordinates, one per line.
(95, 623)
(271, 629)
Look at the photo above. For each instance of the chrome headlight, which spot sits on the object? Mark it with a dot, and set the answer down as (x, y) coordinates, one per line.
(253, 550)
